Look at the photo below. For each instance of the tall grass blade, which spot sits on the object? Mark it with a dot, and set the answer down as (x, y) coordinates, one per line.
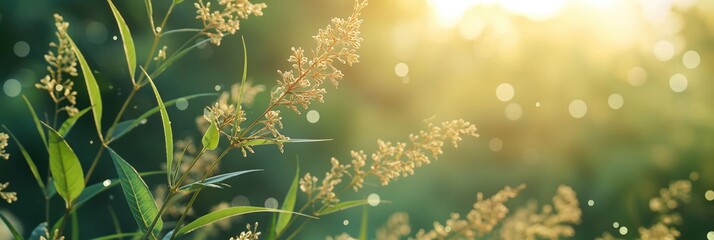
(126, 39)
(95, 96)
(226, 213)
(168, 134)
(288, 203)
(36, 120)
(30, 162)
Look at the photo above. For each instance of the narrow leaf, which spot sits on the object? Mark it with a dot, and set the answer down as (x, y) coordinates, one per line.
(363, 225)
(12, 228)
(128, 125)
(69, 123)
(35, 119)
(166, 64)
(95, 189)
(197, 186)
(95, 97)
(177, 2)
(65, 168)
(168, 235)
(39, 231)
(218, 178)
(269, 141)
(239, 104)
(118, 236)
(168, 134)
(342, 206)
(141, 202)
(30, 162)
(288, 203)
(211, 137)
(226, 213)
(181, 30)
(126, 38)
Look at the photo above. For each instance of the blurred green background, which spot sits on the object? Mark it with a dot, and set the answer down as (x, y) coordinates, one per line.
(614, 98)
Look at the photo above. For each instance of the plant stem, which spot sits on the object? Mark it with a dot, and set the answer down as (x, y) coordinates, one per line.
(158, 215)
(292, 235)
(64, 220)
(195, 194)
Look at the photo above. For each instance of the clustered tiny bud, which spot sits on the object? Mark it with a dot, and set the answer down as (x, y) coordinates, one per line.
(552, 222)
(217, 24)
(250, 234)
(161, 55)
(3, 144)
(389, 162)
(397, 227)
(7, 196)
(481, 220)
(303, 83)
(61, 64)
(54, 236)
(668, 200)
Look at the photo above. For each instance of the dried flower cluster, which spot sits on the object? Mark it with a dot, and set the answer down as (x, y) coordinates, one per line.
(389, 162)
(397, 227)
(217, 24)
(250, 234)
(7, 196)
(553, 222)
(668, 200)
(3, 144)
(303, 83)
(484, 216)
(61, 65)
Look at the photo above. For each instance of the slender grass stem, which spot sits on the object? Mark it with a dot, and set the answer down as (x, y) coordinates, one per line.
(195, 194)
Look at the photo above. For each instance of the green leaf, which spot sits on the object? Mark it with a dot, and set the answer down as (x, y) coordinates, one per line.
(12, 228)
(126, 38)
(269, 141)
(176, 2)
(69, 123)
(211, 137)
(65, 168)
(141, 202)
(35, 119)
(95, 96)
(363, 225)
(342, 206)
(128, 125)
(168, 134)
(239, 104)
(180, 30)
(39, 231)
(226, 213)
(166, 64)
(218, 179)
(196, 186)
(288, 203)
(95, 189)
(30, 162)
(118, 236)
